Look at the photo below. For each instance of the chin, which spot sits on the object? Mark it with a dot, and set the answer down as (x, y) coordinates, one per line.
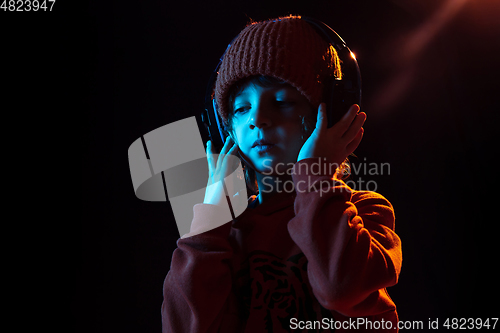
(272, 167)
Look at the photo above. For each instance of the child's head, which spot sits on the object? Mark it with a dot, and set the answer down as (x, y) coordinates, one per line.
(287, 48)
(269, 86)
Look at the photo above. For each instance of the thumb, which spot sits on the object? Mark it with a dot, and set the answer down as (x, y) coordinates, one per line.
(321, 121)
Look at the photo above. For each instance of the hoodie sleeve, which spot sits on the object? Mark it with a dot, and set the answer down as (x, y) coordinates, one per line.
(197, 289)
(349, 240)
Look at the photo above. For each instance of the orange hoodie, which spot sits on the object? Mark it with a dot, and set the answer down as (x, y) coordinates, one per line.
(316, 260)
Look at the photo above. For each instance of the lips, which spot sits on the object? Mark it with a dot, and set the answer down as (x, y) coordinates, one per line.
(262, 145)
(262, 142)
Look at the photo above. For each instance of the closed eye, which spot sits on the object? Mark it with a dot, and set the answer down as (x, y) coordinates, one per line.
(242, 109)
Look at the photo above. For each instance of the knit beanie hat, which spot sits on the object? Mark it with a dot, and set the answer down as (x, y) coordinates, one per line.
(287, 48)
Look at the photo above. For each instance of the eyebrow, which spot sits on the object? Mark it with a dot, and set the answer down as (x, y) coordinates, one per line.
(241, 93)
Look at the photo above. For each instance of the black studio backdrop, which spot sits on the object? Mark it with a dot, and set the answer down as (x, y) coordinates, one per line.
(431, 116)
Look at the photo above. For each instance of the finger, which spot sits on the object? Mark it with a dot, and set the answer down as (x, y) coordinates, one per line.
(227, 146)
(234, 150)
(226, 164)
(232, 155)
(343, 124)
(321, 121)
(356, 124)
(230, 173)
(210, 158)
(351, 147)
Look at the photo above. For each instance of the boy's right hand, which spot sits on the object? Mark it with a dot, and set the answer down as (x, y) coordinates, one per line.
(220, 166)
(224, 173)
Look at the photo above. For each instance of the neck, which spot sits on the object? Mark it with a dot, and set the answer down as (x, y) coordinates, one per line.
(269, 186)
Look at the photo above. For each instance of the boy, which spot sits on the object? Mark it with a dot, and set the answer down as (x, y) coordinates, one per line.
(315, 256)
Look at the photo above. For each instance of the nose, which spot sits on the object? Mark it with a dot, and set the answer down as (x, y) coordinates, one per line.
(260, 117)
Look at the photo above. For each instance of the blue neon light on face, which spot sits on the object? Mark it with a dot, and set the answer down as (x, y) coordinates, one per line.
(273, 115)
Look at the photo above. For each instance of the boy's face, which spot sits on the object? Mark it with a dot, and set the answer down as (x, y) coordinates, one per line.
(267, 125)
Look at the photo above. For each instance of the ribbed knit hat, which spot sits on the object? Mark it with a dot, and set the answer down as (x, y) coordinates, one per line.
(287, 48)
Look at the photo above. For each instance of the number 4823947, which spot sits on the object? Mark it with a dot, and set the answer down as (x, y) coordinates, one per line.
(27, 5)
(469, 323)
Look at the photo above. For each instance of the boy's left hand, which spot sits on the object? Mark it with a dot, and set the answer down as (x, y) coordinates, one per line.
(337, 142)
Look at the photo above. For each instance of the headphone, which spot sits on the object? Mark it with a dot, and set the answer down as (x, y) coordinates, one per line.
(338, 95)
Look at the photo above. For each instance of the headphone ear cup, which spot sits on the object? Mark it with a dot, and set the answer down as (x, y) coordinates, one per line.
(339, 95)
(219, 128)
(214, 125)
(339, 100)
(332, 96)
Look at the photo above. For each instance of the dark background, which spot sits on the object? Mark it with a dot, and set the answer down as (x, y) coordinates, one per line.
(430, 81)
